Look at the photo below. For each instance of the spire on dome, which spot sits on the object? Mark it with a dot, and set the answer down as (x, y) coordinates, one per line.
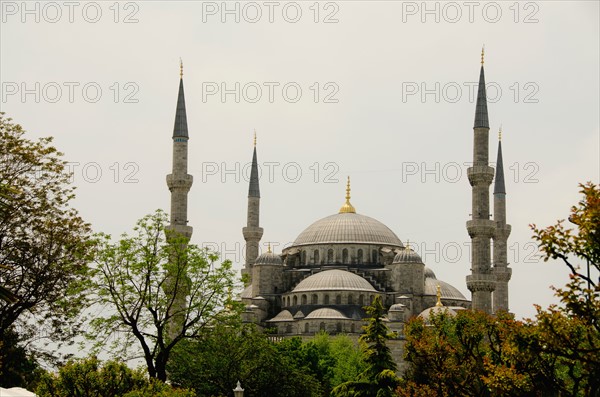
(347, 207)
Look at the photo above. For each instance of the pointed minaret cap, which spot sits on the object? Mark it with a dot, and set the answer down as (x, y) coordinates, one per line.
(254, 190)
(347, 207)
(481, 113)
(499, 187)
(180, 130)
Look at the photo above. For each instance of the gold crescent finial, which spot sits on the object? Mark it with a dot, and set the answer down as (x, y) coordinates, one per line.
(482, 53)
(255, 137)
(180, 68)
(408, 244)
(269, 248)
(500, 133)
(439, 296)
(347, 207)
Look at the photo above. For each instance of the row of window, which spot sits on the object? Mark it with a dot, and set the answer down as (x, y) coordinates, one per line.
(314, 300)
(322, 327)
(345, 259)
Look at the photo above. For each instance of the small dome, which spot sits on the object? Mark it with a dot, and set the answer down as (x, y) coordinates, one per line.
(283, 315)
(428, 273)
(427, 313)
(334, 280)
(299, 314)
(326, 313)
(397, 307)
(348, 228)
(268, 258)
(407, 255)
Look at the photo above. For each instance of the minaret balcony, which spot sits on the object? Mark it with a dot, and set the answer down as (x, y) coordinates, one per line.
(481, 282)
(481, 228)
(252, 233)
(480, 175)
(179, 181)
(502, 231)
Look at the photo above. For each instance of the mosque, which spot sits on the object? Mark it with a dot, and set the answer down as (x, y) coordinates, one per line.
(340, 263)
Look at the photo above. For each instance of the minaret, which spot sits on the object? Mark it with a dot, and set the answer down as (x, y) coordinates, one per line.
(501, 269)
(252, 232)
(179, 181)
(481, 282)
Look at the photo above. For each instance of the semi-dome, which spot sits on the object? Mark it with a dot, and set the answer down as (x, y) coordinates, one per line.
(326, 313)
(448, 291)
(334, 280)
(348, 228)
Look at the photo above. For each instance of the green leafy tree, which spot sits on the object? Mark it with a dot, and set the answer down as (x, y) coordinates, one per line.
(379, 379)
(572, 330)
(44, 244)
(130, 278)
(90, 378)
(231, 351)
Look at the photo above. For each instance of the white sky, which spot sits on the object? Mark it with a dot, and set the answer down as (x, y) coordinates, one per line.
(404, 152)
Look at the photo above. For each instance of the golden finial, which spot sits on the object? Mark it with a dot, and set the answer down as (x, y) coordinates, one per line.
(269, 248)
(439, 296)
(482, 53)
(347, 207)
(408, 244)
(180, 68)
(500, 133)
(255, 137)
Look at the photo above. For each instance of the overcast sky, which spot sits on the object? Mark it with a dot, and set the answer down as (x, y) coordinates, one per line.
(383, 91)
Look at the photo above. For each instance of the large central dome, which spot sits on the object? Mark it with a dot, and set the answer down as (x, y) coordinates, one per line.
(348, 228)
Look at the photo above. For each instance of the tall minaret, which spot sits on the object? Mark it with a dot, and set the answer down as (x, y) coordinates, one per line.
(252, 232)
(501, 269)
(481, 282)
(179, 181)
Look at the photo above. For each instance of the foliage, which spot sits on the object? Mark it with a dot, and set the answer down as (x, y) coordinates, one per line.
(556, 353)
(379, 378)
(228, 352)
(140, 278)
(43, 241)
(572, 330)
(19, 367)
(90, 378)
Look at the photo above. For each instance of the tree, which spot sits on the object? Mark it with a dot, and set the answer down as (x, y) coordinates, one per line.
(130, 278)
(44, 244)
(90, 378)
(379, 379)
(572, 330)
(231, 351)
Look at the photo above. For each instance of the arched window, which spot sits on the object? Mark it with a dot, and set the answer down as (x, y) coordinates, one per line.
(322, 326)
(345, 256)
(295, 300)
(338, 327)
(316, 255)
(371, 299)
(350, 300)
(303, 260)
(329, 255)
(374, 257)
(306, 328)
(288, 300)
(352, 327)
(326, 299)
(361, 300)
(288, 329)
(359, 256)
(315, 299)
(304, 299)
(338, 299)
